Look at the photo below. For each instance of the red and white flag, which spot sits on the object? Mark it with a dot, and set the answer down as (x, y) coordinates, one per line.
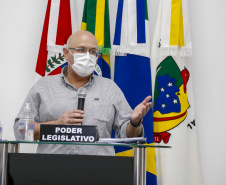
(60, 22)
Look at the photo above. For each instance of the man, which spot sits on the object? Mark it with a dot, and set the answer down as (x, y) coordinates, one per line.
(53, 100)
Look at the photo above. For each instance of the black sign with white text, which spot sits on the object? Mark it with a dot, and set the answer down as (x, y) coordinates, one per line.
(68, 133)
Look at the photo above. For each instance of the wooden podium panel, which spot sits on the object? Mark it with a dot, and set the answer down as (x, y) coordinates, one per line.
(57, 169)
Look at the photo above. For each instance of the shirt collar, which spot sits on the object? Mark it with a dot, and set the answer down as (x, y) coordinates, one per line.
(64, 74)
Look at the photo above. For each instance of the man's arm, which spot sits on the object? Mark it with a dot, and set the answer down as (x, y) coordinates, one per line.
(139, 112)
(74, 117)
(132, 131)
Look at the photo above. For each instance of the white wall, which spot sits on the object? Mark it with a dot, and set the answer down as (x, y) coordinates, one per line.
(208, 32)
(21, 23)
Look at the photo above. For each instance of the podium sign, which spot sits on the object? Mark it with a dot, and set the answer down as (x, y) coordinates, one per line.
(68, 133)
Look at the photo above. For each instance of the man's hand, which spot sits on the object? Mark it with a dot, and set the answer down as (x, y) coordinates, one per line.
(71, 117)
(68, 118)
(141, 110)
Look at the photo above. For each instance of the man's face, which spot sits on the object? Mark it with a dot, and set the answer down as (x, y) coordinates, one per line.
(81, 40)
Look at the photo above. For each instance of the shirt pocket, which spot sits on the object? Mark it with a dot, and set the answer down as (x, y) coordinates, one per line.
(97, 108)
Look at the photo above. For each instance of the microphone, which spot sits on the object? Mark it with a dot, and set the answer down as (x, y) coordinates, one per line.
(81, 98)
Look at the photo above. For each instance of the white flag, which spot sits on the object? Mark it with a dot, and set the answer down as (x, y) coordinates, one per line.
(173, 104)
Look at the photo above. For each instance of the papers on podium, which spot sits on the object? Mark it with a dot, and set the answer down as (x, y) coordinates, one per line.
(135, 140)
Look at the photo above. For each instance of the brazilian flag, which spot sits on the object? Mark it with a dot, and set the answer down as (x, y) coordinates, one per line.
(96, 20)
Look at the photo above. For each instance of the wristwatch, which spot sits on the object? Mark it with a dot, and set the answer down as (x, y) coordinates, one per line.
(139, 123)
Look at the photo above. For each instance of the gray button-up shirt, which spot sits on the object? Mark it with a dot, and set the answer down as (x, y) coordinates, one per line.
(105, 106)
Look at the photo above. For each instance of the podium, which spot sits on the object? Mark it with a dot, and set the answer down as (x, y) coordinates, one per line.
(21, 169)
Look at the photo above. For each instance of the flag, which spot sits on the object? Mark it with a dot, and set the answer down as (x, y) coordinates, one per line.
(96, 20)
(132, 67)
(173, 103)
(60, 20)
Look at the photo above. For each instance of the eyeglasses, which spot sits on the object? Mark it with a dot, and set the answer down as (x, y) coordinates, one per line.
(92, 52)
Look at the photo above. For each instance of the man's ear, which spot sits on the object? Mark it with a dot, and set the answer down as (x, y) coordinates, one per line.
(98, 58)
(99, 55)
(66, 52)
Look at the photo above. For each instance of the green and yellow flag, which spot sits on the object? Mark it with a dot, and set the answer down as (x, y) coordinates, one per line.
(96, 20)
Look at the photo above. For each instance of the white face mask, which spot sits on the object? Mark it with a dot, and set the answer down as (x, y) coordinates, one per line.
(84, 65)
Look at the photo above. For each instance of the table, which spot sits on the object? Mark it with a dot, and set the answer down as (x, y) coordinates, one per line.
(139, 156)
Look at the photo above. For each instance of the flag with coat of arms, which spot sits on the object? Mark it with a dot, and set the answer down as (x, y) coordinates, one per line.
(173, 103)
(60, 21)
(131, 46)
(96, 20)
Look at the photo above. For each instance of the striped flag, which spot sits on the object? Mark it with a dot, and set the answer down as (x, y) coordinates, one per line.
(132, 67)
(60, 20)
(173, 104)
(96, 20)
